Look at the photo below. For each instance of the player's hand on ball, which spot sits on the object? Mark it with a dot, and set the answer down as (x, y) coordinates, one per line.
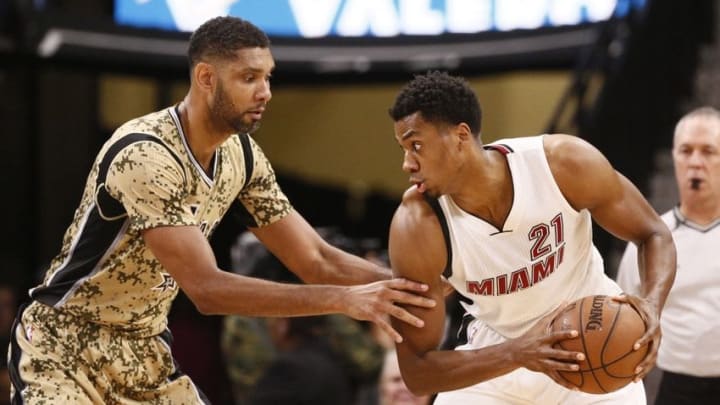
(373, 302)
(650, 315)
(534, 350)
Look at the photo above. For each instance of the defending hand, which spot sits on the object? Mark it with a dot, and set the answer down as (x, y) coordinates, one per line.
(373, 302)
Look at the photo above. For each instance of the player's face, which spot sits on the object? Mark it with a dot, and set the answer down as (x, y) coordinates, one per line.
(243, 90)
(429, 157)
(696, 154)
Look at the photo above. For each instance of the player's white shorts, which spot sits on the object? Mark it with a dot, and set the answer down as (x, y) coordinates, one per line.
(525, 387)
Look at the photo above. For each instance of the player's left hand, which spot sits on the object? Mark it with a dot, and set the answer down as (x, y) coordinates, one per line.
(650, 315)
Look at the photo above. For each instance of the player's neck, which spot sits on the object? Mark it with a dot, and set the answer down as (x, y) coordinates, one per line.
(487, 190)
(201, 135)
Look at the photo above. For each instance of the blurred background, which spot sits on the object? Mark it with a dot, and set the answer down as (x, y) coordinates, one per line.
(617, 73)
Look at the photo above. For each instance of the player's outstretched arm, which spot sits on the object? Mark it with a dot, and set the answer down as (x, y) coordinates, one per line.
(186, 254)
(302, 250)
(588, 181)
(417, 252)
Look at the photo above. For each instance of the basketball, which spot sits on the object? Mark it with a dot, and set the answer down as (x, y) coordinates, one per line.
(607, 331)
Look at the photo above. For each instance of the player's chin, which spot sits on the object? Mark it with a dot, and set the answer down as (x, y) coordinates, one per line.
(432, 193)
(249, 126)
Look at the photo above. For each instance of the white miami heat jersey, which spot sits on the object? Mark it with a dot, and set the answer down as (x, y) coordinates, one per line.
(543, 255)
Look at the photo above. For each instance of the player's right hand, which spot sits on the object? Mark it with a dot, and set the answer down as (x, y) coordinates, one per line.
(375, 301)
(535, 350)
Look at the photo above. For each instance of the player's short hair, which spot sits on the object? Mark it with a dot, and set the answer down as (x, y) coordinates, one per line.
(221, 37)
(441, 99)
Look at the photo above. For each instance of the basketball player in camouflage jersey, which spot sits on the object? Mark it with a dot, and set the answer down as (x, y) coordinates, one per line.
(509, 225)
(96, 329)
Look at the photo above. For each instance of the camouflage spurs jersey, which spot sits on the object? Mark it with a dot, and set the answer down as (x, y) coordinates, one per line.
(145, 176)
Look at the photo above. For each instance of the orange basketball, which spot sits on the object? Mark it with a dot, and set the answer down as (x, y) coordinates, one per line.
(607, 331)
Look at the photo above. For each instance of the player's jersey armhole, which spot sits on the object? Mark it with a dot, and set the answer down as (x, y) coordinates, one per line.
(248, 158)
(237, 210)
(447, 271)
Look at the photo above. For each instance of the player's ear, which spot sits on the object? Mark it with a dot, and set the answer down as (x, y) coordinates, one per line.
(463, 133)
(204, 75)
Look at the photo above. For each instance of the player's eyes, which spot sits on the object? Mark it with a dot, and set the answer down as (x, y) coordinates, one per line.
(416, 146)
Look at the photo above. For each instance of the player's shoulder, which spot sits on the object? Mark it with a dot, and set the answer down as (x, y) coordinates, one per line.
(154, 133)
(571, 153)
(415, 214)
(417, 245)
(414, 203)
(566, 147)
(157, 123)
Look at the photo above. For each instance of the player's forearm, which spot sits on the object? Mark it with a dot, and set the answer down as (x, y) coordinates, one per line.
(657, 260)
(440, 371)
(227, 293)
(338, 267)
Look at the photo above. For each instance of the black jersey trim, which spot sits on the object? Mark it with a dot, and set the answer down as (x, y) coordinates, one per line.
(462, 333)
(248, 157)
(500, 147)
(96, 233)
(237, 210)
(447, 272)
(241, 214)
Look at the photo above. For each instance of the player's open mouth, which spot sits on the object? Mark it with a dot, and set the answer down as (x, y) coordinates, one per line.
(420, 186)
(256, 114)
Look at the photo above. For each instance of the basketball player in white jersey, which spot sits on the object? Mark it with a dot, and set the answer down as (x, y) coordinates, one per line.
(96, 329)
(509, 225)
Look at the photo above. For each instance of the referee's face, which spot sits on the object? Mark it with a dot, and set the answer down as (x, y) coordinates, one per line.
(696, 154)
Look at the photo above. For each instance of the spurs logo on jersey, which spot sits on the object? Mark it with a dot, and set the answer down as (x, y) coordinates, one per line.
(543, 253)
(168, 283)
(145, 176)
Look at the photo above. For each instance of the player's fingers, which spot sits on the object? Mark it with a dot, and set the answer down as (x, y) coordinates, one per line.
(405, 284)
(553, 337)
(405, 316)
(411, 299)
(651, 337)
(643, 341)
(646, 364)
(555, 365)
(385, 326)
(567, 355)
(621, 298)
(642, 374)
